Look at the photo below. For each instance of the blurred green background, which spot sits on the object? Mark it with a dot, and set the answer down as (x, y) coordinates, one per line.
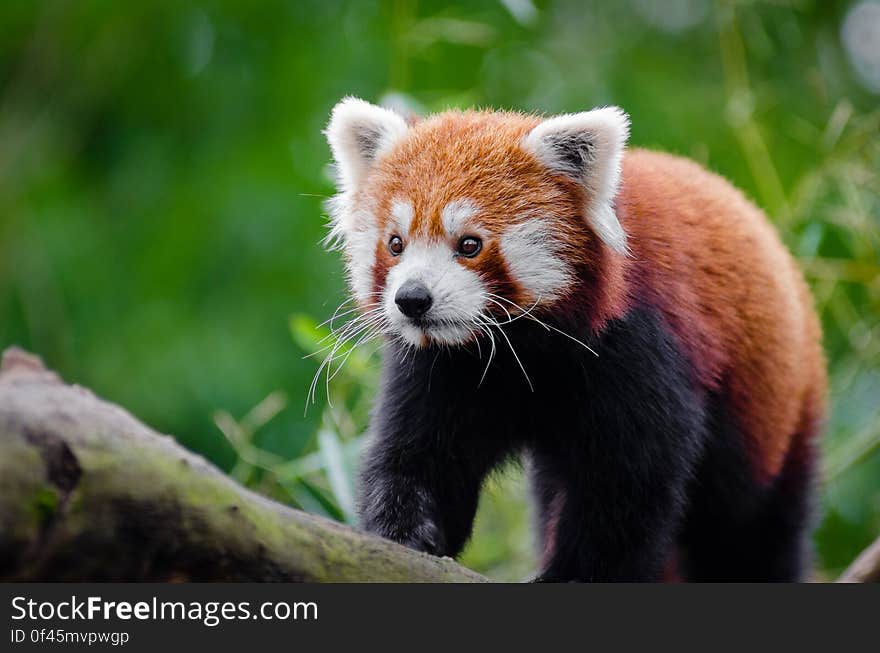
(162, 172)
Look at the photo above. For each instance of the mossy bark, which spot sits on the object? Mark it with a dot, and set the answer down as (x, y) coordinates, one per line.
(87, 492)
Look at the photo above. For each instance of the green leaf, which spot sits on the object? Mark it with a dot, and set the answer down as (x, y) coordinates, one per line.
(337, 473)
(307, 334)
(320, 502)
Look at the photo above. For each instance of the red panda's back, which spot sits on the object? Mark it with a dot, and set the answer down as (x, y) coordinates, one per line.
(712, 263)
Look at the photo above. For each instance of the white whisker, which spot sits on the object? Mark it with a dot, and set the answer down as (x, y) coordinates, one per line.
(549, 327)
(493, 322)
(345, 338)
(488, 332)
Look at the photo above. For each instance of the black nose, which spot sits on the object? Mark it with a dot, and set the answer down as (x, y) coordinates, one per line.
(413, 299)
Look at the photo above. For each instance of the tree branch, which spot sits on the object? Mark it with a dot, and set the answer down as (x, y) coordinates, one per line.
(87, 492)
(865, 568)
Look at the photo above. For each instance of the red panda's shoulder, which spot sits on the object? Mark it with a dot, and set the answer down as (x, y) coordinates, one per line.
(648, 177)
(673, 201)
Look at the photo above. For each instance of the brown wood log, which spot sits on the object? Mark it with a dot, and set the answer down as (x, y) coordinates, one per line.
(87, 492)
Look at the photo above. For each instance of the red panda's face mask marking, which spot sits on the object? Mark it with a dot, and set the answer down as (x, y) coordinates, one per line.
(468, 219)
(434, 286)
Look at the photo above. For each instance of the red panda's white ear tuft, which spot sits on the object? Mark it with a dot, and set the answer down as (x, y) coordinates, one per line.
(359, 133)
(588, 147)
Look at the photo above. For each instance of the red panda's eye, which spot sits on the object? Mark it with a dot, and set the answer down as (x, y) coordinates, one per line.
(395, 246)
(470, 246)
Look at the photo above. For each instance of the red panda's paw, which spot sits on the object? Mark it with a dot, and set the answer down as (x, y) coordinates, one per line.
(427, 538)
(424, 536)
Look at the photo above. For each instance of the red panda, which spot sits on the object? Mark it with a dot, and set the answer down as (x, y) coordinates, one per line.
(625, 320)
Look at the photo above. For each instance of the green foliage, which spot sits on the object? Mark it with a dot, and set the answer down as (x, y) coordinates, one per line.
(162, 172)
(321, 481)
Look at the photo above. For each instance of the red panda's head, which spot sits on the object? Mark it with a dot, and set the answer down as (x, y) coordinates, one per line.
(467, 215)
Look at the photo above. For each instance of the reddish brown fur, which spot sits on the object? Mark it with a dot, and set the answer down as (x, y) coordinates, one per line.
(712, 262)
(699, 251)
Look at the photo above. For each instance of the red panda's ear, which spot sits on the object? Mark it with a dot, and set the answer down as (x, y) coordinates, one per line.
(588, 147)
(359, 133)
